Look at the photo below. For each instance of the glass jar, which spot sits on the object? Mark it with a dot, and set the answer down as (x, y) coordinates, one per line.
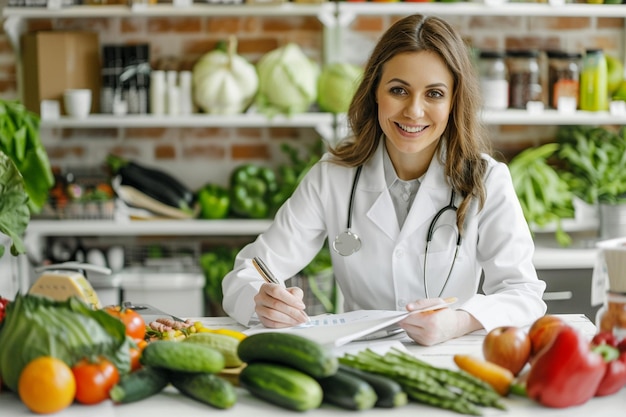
(612, 315)
(494, 80)
(594, 82)
(524, 78)
(563, 79)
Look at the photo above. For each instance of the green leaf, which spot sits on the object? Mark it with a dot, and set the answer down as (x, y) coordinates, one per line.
(14, 211)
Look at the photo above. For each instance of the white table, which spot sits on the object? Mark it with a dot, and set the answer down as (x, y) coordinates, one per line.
(171, 404)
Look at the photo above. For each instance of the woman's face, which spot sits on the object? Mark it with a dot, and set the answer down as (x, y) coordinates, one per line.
(414, 101)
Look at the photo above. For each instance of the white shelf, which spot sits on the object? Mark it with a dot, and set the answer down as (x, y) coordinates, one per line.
(228, 227)
(323, 9)
(481, 9)
(322, 122)
(564, 258)
(544, 258)
(194, 120)
(551, 117)
(196, 9)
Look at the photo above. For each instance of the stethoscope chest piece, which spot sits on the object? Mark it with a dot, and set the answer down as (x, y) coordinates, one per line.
(346, 243)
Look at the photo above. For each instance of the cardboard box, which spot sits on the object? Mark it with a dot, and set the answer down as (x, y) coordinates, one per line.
(53, 61)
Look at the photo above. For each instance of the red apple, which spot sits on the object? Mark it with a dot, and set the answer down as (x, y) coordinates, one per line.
(507, 346)
(543, 331)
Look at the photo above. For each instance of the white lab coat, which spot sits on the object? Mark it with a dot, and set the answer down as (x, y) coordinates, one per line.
(388, 271)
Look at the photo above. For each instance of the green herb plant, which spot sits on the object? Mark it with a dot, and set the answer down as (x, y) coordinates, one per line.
(20, 141)
(25, 173)
(544, 195)
(594, 162)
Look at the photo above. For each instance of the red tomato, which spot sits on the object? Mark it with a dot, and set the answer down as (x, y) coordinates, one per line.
(94, 380)
(135, 324)
(135, 355)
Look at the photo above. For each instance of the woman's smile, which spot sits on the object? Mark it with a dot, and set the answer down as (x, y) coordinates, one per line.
(411, 129)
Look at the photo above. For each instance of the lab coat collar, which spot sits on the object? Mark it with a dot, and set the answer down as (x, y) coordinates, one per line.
(433, 190)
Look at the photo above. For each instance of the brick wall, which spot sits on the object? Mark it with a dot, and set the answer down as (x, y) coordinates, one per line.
(199, 155)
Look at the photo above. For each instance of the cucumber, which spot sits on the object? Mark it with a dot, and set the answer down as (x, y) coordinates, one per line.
(289, 349)
(139, 385)
(206, 388)
(348, 391)
(227, 345)
(389, 392)
(178, 356)
(281, 385)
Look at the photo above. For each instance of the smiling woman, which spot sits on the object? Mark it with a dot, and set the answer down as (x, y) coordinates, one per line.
(414, 185)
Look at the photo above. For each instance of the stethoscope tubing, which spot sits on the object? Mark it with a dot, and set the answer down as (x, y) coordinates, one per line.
(429, 236)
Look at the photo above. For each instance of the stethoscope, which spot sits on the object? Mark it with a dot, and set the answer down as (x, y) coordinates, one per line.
(347, 242)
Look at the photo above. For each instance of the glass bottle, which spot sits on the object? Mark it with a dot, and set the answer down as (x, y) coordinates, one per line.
(524, 78)
(494, 80)
(563, 79)
(612, 315)
(594, 82)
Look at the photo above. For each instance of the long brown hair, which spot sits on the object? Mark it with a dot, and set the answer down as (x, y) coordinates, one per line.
(464, 136)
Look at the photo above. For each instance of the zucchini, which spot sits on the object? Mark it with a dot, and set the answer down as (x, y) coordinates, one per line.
(281, 385)
(389, 392)
(206, 388)
(346, 390)
(227, 345)
(179, 356)
(289, 349)
(141, 384)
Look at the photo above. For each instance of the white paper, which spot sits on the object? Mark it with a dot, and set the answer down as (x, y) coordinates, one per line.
(338, 329)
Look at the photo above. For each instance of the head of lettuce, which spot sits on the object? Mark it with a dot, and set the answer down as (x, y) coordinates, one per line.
(69, 330)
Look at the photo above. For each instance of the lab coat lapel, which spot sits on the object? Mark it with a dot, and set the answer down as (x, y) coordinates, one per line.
(433, 190)
(381, 211)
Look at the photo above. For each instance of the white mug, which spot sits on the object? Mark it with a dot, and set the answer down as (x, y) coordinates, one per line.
(77, 102)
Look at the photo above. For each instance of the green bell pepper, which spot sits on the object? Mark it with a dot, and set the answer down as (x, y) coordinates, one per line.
(252, 188)
(214, 201)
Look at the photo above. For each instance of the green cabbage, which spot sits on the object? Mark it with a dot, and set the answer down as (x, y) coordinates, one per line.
(287, 81)
(36, 326)
(336, 86)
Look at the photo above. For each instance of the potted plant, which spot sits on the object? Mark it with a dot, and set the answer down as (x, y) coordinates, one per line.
(593, 162)
(25, 173)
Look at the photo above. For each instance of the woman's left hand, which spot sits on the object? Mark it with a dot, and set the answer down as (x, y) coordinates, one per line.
(436, 326)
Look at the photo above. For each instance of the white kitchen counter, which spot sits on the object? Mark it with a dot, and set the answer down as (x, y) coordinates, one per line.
(170, 403)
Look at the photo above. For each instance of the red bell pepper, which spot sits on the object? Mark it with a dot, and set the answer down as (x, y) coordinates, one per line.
(615, 375)
(604, 337)
(566, 373)
(3, 306)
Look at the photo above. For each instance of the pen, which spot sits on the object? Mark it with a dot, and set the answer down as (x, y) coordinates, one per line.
(267, 274)
(264, 271)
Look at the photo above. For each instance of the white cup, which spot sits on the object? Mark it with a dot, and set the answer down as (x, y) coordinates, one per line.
(77, 102)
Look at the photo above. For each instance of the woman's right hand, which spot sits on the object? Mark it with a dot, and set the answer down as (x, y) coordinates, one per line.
(277, 306)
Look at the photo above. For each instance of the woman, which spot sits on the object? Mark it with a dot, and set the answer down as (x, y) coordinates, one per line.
(418, 147)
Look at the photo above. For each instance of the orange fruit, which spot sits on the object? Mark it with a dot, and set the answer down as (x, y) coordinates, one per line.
(46, 385)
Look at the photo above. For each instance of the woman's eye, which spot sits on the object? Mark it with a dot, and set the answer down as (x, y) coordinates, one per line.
(397, 91)
(435, 94)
